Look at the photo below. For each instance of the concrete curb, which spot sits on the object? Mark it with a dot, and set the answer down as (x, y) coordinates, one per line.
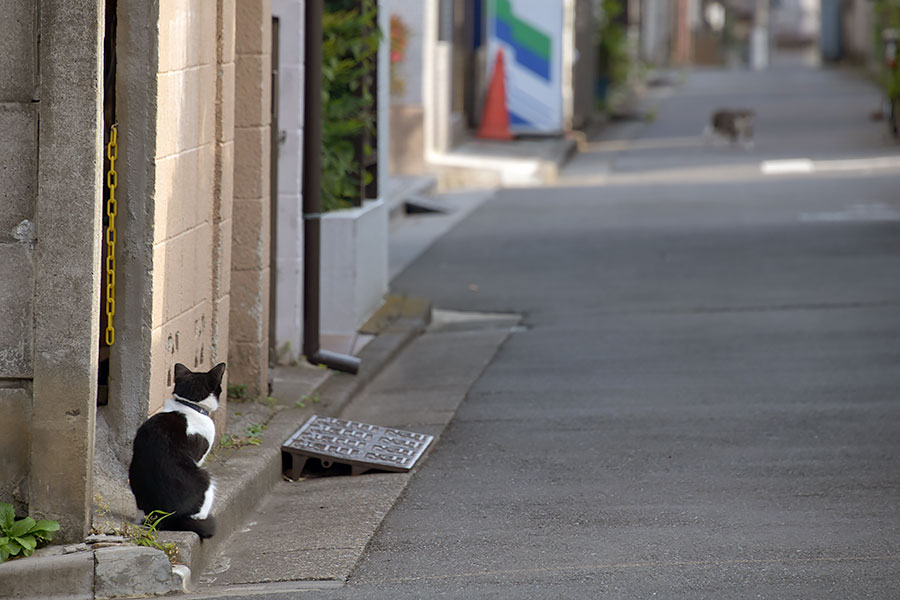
(479, 163)
(247, 475)
(79, 572)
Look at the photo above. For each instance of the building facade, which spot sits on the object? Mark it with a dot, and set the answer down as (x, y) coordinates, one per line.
(188, 87)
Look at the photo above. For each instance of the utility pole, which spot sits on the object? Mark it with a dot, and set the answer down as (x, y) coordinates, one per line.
(759, 39)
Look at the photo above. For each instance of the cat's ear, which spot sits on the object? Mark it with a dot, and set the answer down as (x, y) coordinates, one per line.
(181, 371)
(217, 372)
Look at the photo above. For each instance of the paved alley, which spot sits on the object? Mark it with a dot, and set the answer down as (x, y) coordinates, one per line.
(704, 398)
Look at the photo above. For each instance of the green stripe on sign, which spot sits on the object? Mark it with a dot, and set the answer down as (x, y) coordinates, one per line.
(524, 33)
(504, 11)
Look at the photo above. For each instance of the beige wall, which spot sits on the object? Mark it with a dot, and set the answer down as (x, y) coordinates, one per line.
(192, 147)
(249, 322)
(177, 154)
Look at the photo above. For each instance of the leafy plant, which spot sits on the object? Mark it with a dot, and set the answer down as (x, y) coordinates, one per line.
(140, 535)
(146, 535)
(349, 51)
(21, 537)
(314, 398)
(255, 430)
(237, 391)
(252, 437)
(611, 43)
(887, 15)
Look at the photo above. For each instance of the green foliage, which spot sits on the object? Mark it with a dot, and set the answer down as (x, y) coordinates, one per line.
(255, 430)
(140, 535)
(611, 44)
(237, 391)
(252, 437)
(349, 51)
(887, 14)
(314, 398)
(146, 534)
(21, 537)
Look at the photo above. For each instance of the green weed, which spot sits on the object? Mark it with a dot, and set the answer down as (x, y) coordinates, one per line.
(21, 537)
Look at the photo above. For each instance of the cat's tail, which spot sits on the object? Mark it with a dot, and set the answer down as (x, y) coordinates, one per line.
(205, 528)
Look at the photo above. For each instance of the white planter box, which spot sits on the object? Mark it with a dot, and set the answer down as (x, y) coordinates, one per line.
(354, 266)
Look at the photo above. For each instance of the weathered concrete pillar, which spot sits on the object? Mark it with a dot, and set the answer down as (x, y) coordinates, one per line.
(223, 199)
(249, 323)
(18, 183)
(67, 263)
(136, 111)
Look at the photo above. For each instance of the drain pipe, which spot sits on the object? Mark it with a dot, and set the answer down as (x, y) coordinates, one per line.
(312, 195)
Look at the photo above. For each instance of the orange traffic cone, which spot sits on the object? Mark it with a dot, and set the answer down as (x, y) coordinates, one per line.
(495, 117)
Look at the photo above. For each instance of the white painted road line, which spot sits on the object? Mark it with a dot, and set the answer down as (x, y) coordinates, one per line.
(805, 165)
(787, 166)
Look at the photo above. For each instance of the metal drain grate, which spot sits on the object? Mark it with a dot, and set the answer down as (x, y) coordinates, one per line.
(360, 445)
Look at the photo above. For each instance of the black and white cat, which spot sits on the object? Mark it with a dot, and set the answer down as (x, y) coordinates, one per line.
(165, 472)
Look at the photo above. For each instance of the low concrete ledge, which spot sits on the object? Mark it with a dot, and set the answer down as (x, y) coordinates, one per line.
(122, 571)
(69, 576)
(129, 571)
(485, 163)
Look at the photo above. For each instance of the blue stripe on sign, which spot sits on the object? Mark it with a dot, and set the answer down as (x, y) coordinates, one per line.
(504, 32)
(523, 55)
(515, 119)
(533, 62)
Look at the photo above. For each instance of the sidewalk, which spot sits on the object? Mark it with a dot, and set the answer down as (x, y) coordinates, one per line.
(317, 528)
(245, 474)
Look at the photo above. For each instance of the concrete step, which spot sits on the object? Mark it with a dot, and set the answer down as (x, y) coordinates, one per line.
(404, 187)
(485, 164)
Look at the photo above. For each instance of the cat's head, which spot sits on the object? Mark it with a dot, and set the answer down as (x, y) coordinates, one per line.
(200, 388)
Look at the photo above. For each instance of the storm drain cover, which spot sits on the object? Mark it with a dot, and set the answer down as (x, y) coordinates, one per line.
(360, 445)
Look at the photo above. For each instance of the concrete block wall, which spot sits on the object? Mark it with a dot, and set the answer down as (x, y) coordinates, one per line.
(18, 182)
(175, 107)
(250, 271)
(186, 183)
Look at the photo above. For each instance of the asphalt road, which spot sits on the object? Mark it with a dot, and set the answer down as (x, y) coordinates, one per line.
(705, 401)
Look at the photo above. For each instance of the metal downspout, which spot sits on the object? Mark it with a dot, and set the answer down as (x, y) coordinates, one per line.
(312, 196)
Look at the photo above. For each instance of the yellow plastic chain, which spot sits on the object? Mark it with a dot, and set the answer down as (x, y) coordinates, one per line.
(112, 182)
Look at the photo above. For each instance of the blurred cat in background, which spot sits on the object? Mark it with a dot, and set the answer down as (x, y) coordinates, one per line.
(735, 125)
